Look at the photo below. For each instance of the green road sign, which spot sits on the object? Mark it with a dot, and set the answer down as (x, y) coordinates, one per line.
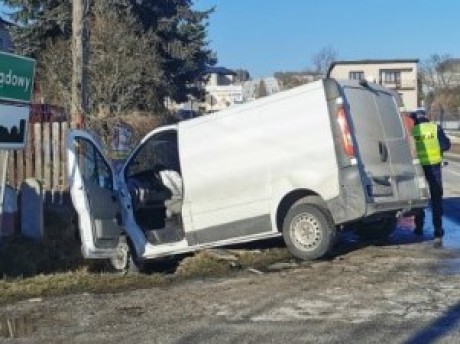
(16, 77)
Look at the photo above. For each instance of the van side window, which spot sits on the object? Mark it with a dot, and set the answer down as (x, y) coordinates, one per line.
(92, 165)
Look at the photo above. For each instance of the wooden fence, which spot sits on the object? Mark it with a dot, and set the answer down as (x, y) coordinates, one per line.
(45, 155)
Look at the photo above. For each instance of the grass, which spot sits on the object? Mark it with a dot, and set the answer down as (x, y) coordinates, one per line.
(55, 267)
(267, 257)
(75, 282)
(84, 279)
(205, 264)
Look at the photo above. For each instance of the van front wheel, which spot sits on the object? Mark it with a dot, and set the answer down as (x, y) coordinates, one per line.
(307, 232)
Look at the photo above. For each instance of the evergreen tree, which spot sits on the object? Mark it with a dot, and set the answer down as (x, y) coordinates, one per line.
(184, 46)
(173, 37)
(39, 22)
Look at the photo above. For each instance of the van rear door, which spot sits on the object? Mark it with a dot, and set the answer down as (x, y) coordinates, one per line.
(383, 149)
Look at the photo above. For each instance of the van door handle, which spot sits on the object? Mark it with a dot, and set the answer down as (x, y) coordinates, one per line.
(383, 151)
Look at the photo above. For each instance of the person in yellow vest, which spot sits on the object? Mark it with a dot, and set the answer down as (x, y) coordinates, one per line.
(430, 144)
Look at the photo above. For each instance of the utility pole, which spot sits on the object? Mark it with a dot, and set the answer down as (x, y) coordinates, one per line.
(80, 60)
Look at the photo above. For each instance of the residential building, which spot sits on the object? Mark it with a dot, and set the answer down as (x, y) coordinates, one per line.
(221, 89)
(398, 74)
(250, 87)
(6, 44)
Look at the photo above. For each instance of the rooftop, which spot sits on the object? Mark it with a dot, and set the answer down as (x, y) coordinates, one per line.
(219, 70)
(369, 61)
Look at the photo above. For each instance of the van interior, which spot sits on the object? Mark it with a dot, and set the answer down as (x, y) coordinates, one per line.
(154, 181)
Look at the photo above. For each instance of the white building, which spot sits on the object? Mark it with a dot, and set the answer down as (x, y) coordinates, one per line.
(399, 75)
(221, 90)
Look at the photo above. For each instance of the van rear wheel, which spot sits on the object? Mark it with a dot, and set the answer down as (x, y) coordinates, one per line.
(307, 232)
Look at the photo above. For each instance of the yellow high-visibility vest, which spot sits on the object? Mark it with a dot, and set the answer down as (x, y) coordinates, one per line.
(427, 143)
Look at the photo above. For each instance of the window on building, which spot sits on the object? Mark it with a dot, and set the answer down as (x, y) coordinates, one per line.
(390, 76)
(356, 75)
(224, 80)
(2, 44)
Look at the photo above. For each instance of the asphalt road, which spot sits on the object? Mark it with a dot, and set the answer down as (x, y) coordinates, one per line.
(403, 291)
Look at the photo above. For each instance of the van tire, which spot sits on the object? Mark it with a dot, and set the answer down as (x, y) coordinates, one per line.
(307, 232)
(377, 230)
(126, 261)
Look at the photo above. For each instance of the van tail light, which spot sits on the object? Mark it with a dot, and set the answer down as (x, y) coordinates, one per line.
(347, 141)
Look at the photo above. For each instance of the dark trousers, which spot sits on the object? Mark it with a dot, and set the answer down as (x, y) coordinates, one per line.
(434, 178)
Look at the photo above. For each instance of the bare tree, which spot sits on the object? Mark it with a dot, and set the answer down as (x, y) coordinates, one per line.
(322, 60)
(54, 68)
(80, 59)
(126, 69)
(436, 72)
(440, 91)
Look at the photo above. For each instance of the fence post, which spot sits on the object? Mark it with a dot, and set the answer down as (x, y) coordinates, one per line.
(11, 166)
(29, 162)
(38, 152)
(47, 185)
(64, 130)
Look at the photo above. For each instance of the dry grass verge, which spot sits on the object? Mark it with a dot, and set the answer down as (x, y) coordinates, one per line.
(56, 267)
(75, 282)
(201, 265)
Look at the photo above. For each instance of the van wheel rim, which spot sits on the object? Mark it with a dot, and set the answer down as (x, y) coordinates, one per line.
(120, 260)
(306, 231)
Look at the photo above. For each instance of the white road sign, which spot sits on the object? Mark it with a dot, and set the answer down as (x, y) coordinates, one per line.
(13, 126)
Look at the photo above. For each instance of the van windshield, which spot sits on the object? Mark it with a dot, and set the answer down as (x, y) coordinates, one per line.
(159, 150)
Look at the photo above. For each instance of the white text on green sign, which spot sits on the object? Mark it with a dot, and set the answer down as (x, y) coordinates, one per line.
(16, 77)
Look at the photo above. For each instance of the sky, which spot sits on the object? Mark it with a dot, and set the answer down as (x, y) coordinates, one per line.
(266, 36)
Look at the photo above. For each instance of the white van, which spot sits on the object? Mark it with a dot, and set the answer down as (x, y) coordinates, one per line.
(298, 164)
